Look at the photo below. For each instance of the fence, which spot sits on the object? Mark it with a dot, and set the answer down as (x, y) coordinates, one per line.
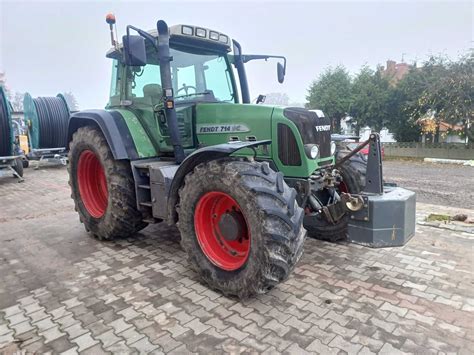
(430, 150)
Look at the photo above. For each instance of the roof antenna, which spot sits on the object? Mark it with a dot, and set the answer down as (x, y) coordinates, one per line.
(110, 19)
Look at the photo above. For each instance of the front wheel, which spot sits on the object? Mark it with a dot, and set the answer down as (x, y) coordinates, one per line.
(240, 226)
(102, 187)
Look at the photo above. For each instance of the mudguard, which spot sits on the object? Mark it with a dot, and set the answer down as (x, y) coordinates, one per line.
(197, 157)
(113, 127)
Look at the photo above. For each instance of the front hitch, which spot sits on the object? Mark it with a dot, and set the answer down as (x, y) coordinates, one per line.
(382, 216)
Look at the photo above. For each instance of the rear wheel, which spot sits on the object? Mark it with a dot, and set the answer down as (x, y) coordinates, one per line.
(102, 187)
(240, 226)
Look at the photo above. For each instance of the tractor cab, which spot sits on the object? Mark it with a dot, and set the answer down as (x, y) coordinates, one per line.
(200, 71)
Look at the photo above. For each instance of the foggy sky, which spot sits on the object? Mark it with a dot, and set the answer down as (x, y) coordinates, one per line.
(51, 47)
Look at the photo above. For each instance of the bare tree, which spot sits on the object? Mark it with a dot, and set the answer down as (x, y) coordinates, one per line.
(17, 101)
(71, 101)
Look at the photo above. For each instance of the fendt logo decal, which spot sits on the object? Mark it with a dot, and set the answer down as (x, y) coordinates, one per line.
(221, 128)
(323, 128)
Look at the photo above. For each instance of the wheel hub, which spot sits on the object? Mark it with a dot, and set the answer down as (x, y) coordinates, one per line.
(232, 225)
(221, 230)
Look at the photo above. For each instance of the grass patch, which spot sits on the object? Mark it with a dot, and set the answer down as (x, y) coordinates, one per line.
(438, 218)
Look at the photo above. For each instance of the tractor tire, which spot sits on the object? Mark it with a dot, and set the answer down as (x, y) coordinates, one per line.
(319, 228)
(352, 171)
(102, 188)
(18, 167)
(240, 225)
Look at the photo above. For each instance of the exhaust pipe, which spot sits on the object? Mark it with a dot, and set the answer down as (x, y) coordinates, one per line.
(164, 59)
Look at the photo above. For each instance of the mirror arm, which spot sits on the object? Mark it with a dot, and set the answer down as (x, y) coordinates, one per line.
(144, 34)
(248, 57)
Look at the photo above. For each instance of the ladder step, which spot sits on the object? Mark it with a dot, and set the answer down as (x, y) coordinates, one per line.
(147, 187)
(151, 220)
(142, 165)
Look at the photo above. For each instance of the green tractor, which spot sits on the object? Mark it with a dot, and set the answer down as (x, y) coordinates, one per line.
(180, 142)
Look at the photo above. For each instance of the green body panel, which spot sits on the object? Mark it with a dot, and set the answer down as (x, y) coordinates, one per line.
(143, 143)
(218, 123)
(221, 123)
(308, 166)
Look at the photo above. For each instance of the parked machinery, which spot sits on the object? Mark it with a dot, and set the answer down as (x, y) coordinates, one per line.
(10, 162)
(47, 120)
(180, 142)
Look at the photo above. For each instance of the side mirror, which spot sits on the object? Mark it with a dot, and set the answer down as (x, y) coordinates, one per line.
(280, 72)
(134, 50)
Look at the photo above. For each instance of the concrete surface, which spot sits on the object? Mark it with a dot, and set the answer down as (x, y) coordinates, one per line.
(64, 292)
(439, 184)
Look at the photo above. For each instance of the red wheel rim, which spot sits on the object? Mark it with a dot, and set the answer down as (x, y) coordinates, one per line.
(343, 187)
(92, 184)
(208, 218)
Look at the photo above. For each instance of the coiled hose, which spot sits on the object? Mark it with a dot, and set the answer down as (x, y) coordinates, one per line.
(47, 118)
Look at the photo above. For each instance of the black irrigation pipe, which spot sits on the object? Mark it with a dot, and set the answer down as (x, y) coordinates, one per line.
(53, 116)
(5, 127)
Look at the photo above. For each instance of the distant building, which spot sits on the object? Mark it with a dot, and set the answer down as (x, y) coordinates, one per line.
(395, 71)
(348, 128)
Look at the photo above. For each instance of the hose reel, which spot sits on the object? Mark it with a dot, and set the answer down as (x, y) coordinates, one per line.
(47, 119)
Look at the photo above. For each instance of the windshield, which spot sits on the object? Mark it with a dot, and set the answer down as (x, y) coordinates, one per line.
(194, 76)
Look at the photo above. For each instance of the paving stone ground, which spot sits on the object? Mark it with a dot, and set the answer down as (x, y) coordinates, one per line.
(64, 292)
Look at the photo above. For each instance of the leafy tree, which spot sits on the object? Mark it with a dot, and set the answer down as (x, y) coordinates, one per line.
(71, 101)
(277, 98)
(331, 92)
(449, 95)
(401, 101)
(444, 93)
(369, 99)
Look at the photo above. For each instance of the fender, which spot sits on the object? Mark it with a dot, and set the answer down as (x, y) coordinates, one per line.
(113, 127)
(197, 157)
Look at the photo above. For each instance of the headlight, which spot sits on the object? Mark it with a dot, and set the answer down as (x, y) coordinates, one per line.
(333, 148)
(311, 150)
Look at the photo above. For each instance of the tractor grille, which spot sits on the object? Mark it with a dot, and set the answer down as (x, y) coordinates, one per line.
(288, 151)
(312, 128)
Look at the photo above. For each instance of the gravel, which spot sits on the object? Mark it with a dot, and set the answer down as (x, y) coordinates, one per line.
(438, 184)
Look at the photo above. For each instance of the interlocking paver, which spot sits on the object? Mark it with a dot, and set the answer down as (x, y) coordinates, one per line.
(84, 341)
(139, 295)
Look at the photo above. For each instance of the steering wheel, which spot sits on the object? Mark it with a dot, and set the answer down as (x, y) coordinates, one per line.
(186, 88)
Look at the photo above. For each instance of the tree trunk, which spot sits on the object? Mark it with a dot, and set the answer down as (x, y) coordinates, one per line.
(436, 137)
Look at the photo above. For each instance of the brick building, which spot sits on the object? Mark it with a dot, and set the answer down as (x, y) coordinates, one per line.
(395, 71)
